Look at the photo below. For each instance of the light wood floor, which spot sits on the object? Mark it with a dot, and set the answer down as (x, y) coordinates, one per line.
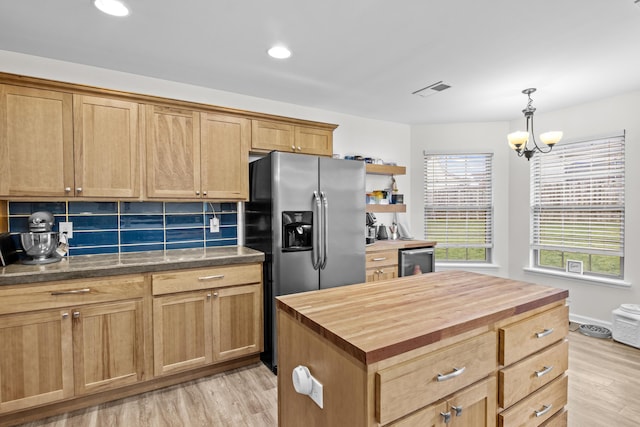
(604, 391)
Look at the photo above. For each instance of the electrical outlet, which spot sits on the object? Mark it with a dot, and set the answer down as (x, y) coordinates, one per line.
(214, 225)
(67, 228)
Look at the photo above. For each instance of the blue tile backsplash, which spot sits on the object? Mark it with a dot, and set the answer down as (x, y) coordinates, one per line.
(121, 227)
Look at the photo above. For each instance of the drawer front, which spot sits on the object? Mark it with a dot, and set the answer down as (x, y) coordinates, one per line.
(16, 299)
(382, 258)
(528, 336)
(525, 377)
(409, 386)
(538, 407)
(205, 278)
(560, 419)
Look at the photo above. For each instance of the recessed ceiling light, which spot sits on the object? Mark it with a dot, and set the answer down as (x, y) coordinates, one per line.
(112, 7)
(279, 52)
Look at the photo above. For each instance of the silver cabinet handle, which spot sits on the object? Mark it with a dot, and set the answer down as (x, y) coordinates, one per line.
(76, 314)
(456, 372)
(79, 189)
(446, 417)
(299, 149)
(214, 277)
(379, 259)
(545, 409)
(545, 371)
(65, 315)
(67, 189)
(72, 292)
(544, 333)
(209, 295)
(204, 193)
(457, 409)
(215, 295)
(197, 193)
(293, 147)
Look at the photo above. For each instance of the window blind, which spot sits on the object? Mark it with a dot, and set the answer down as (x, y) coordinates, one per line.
(458, 208)
(577, 197)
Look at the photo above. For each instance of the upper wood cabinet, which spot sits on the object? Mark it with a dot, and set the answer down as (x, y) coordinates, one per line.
(224, 152)
(196, 155)
(106, 147)
(36, 142)
(268, 136)
(173, 152)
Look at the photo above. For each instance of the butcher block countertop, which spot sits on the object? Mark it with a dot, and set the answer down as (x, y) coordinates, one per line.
(377, 320)
(384, 245)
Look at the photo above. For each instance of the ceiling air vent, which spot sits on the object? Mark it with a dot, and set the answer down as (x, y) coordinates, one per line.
(431, 89)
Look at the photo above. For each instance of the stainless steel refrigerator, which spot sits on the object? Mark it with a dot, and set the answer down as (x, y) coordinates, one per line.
(306, 213)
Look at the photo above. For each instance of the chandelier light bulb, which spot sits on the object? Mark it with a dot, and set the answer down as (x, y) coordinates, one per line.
(550, 138)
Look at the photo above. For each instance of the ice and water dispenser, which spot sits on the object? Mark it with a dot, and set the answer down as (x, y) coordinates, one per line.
(297, 231)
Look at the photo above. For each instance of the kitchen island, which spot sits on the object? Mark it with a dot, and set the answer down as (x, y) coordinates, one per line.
(458, 347)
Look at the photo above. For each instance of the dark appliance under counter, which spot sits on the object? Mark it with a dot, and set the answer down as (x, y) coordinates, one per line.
(412, 261)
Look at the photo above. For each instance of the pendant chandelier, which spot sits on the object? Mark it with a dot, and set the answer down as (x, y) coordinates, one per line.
(519, 140)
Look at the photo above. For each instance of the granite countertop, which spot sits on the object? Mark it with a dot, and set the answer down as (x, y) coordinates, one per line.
(83, 266)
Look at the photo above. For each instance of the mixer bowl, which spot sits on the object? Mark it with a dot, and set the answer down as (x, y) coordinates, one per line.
(40, 247)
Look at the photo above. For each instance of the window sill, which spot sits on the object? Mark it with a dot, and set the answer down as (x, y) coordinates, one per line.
(463, 265)
(580, 277)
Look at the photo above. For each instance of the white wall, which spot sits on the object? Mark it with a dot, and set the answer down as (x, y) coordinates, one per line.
(466, 138)
(387, 140)
(589, 302)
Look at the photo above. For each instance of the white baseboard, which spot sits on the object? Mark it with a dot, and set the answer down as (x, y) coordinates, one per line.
(584, 320)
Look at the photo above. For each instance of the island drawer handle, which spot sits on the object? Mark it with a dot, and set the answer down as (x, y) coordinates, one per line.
(545, 409)
(544, 333)
(72, 292)
(379, 259)
(214, 277)
(455, 373)
(545, 371)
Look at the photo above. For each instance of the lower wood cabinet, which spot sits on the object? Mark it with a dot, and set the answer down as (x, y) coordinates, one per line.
(381, 265)
(219, 321)
(49, 355)
(65, 340)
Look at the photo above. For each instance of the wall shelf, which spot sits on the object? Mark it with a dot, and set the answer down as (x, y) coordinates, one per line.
(385, 169)
(386, 208)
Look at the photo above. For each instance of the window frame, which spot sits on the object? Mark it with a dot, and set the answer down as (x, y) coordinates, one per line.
(576, 199)
(466, 213)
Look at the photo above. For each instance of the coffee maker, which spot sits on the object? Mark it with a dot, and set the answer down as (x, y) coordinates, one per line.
(371, 228)
(40, 242)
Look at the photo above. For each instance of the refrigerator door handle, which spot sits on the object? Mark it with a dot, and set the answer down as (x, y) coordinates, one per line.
(325, 228)
(316, 256)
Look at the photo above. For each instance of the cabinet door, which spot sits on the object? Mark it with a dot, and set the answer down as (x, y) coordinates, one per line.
(173, 152)
(108, 346)
(36, 142)
(182, 331)
(268, 136)
(474, 406)
(36, 361)
(237, 321)
(106, 147)
(310, 140)
(224, 152)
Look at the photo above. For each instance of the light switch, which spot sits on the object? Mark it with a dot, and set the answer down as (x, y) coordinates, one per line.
(67, 228)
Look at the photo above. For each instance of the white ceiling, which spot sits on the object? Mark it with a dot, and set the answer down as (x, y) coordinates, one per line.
(360, 57)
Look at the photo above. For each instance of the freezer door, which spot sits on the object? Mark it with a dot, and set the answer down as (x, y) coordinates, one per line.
(295, 179)
(342, 186)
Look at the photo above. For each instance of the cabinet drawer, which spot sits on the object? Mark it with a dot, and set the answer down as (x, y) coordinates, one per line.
(519, 380)
(382, 258)
(533, 334)
(538, 407)
(558, 420)
(67, 293)
(205, 278)
(409, 386)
